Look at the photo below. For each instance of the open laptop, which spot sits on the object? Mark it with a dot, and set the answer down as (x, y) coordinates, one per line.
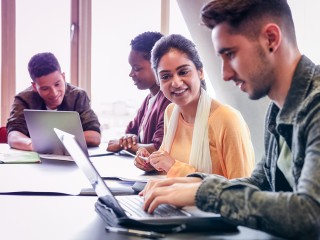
(40, 124)
(127, 211)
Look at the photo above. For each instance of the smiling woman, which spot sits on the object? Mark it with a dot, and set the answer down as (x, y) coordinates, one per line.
(201, 134)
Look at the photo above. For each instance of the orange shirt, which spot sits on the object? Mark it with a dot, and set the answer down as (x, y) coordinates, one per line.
(231, 149)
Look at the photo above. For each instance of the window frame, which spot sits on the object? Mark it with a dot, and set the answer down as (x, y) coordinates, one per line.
(80, 45)
(8, 60)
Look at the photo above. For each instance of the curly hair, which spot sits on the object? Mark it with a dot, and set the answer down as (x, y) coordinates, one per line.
(144, 43)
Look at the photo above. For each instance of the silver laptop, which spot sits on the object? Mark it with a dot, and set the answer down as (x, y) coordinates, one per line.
(40, 125)
(126, 210)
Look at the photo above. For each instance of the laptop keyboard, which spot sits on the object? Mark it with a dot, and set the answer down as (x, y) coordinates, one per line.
(133, 206)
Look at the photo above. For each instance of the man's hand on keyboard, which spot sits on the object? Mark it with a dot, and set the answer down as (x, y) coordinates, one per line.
(179, 192)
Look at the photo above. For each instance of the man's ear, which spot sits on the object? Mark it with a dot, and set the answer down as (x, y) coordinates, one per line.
(63, 76)
(34, 86)
(273, 36)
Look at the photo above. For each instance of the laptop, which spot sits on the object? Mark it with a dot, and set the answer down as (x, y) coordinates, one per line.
(127, 211)
(40, 124)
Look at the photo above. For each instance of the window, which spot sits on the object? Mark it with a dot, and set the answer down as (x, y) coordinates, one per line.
(114, 97)
(45, 26)
(41, 26)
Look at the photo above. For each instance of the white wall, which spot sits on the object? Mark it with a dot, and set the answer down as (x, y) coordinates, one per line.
(306, 18)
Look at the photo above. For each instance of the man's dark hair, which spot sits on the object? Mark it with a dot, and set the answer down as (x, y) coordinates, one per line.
(246, 16)
(43, 64)
(144, 43)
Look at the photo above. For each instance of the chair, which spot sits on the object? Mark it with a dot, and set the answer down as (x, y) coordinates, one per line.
(3, 135)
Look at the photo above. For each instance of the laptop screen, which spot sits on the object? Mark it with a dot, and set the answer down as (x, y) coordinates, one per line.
(40, 126)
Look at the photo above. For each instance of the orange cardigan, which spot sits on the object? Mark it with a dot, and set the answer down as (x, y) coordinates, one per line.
(231, 149)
